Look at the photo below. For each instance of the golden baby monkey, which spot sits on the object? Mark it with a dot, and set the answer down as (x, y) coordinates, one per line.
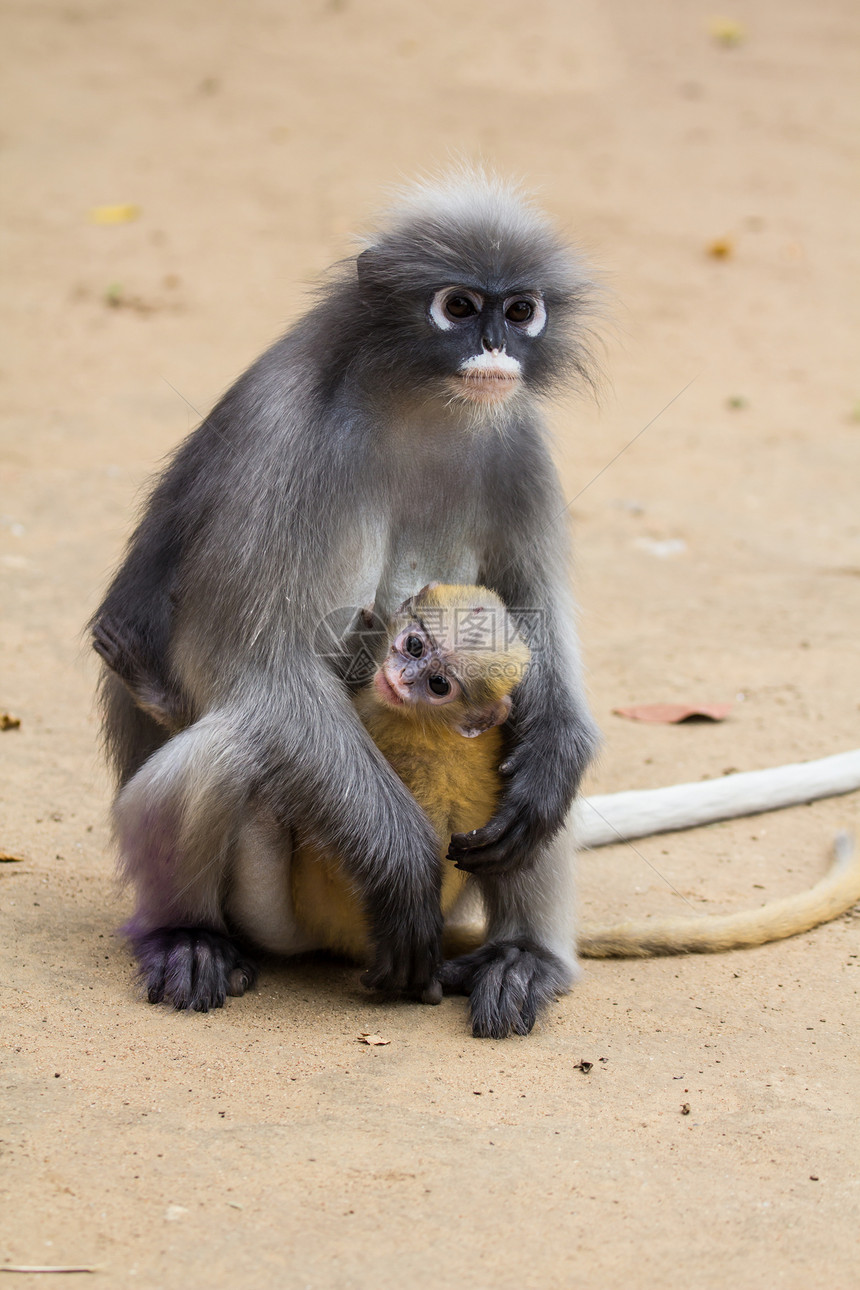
(434, 709)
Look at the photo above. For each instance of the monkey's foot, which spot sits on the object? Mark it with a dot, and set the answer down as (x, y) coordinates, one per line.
(191, 967)
(508, 983)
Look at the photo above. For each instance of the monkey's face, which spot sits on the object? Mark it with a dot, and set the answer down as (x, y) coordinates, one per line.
(417, 679)
(472, 315)
(416, 673)
(488, 339)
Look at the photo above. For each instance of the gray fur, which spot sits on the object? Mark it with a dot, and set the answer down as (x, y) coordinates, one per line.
(341, 471)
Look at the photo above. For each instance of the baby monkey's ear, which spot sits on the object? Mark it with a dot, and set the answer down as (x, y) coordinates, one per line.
(475, 723)
(412, 602)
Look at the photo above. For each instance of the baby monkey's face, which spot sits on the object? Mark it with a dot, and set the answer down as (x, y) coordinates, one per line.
(418, 672)
(424, 678)
(453, 659)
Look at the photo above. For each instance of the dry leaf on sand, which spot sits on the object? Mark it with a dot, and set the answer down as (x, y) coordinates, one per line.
(121, 213)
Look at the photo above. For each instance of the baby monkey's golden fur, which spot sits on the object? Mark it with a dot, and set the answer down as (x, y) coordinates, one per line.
(447, 756)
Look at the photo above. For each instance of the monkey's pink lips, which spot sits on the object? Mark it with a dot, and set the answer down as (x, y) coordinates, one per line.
(482, 386)
(386, 690)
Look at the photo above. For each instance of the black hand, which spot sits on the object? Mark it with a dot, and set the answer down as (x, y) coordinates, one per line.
(507, 843)
(408, 955)
(540, 786)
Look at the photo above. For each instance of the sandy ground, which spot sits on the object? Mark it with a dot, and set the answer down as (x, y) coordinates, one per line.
(263, 1146)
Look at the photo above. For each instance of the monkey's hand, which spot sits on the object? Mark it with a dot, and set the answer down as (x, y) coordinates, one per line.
(408, 955)
(540, 783)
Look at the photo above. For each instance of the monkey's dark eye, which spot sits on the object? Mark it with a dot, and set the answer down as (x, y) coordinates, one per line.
(439, 685)
(460, 307)
(414, 646)
(520, 311)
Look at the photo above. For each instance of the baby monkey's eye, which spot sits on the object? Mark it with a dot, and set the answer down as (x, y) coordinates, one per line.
(439, 685)
(414, 646)
(520, 311)
(458, 307)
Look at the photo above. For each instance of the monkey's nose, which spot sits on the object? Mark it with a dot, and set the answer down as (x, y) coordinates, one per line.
(493, 333)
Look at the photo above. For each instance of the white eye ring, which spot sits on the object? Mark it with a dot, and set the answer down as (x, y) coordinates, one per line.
(537, 322)
(437, 306)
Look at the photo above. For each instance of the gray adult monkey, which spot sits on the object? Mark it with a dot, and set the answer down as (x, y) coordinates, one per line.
(392, 438)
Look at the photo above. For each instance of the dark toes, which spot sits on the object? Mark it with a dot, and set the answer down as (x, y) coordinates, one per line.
(487, 863)
(241, 979)
(380, 974)
(179, 969)
(192, 968)
(508, 985)
(454, 976)
(433, 993)
(154, 979)
(105, 643)
(479, 837)
(496, 849)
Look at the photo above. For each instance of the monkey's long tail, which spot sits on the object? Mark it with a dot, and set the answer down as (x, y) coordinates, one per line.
(837, 891)
(615, 817)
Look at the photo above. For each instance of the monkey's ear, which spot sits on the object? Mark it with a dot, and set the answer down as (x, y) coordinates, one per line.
(476, 723)
(365, 265)
(410, 602)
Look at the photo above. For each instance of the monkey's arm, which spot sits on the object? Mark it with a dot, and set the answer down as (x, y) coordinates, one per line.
(176, 820)
(552, 733)
(330, 783)
(133, 627)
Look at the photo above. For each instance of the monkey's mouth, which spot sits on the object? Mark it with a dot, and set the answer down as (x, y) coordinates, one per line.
(386, 690)
(486, 386)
